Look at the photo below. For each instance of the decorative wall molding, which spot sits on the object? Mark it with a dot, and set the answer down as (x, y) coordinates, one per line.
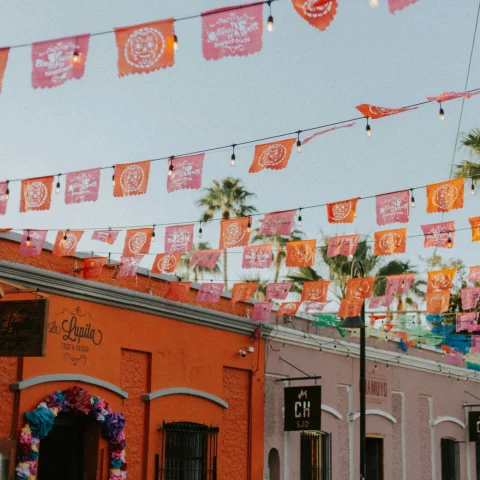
(447, 419)
(148, 397)
(332, 411)
(372, 411)
(67, 377)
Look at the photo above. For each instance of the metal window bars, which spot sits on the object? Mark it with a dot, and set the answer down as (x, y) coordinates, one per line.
(189, 452)
(315, 452)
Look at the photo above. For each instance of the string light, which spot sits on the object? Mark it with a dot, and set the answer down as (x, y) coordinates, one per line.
(200, 231)
(153, 233)
(65, 235)
(57, 188)
(270, 23)
(374, 3)
(28, 241)
(441, 113)
(300, 220)
(449, 240)
(368, 129)
(113, 177)
(232, 158)
(171, 168)
(412, 199)
(76, 56)
(110, 238)
(7, 192)
(249, 225)
(472, 187)
(175, 42)
(299, 143)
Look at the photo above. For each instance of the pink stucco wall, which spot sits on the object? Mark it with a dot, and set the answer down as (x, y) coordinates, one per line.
(414, 399)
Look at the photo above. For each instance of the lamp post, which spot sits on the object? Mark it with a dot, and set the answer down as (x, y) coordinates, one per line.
(357, 271)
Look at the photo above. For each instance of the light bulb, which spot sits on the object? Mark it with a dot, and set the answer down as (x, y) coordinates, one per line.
(200, 231)
(412, 200)
(299, 146)
(28, 242)
(374, 3)
(442, 114)
(113, 180)
(270, 24)
(249, 225)
(76, 57)
(110, 238)
(175, 42)
(153, 235)
(472, 188)
(369, 130)
(7, 192)
(300, 220)
(232, 160)
(57, 189)
(171, 168)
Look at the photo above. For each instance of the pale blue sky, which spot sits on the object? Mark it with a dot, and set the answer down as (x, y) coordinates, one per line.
(301, 78)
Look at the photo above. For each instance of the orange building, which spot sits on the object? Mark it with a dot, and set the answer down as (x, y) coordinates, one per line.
(194, 406)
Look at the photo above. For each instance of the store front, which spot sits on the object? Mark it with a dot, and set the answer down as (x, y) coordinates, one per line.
(130, 379)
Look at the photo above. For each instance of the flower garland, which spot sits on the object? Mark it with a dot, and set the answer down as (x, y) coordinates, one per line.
(75, 400)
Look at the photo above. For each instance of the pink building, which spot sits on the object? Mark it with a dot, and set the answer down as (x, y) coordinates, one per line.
(416, 417)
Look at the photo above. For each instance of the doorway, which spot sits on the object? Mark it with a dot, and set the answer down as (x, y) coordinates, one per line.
(374, 458)
(70, 450)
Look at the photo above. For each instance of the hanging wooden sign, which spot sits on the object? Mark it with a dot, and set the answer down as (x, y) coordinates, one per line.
(23, 326)
(303, 408)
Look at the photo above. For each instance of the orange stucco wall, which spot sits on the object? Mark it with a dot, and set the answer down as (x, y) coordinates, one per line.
(140, 352)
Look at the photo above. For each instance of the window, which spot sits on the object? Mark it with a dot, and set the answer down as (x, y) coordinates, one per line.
(273, 465)
(450, 459)
(374, 458)
(189, 452)
(315, 456)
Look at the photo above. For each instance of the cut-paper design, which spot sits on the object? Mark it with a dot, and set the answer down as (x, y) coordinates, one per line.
(145, 48)
(131, 179)
(474, 275)
(470, 297)
(288, 309)
(137, 242)
(315, 291)
(389, 242)
(261, 311)
(342, 212)
(382, 301)
(232, 32)
(467, 321)
(274, 155)
(3, 198)
(445, 196)
(278, 291)
(314, 307)
(280, 223)
(3, 64)
(178, 291)
(395, 5)
(129, 265)
(374, 112)
(187, 173)
(92, 267)
(444, 97)
(359, 288)
(343, 245)
(56, 61)
(393, 208)
(396, 284)
(66, 243)
(350, 307)
(35, 246)
(322, 132)
(439, 234)
(36, 194)
(166, 263)
(257, 256)
(438, 302)
(179, 238)
(243, 292)
(440, 280)
(205, 258)
(318, 13)
(301, 253)
(475, 225)
(210, 292)
(234, 233)
(82, 186)
(106, 236)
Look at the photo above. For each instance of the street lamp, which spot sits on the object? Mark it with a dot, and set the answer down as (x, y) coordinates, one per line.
(357, 271)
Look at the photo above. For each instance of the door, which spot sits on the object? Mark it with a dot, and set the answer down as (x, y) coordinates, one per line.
(374, 458)
(66, 453)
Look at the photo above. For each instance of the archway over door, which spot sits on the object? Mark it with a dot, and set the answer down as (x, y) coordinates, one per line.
(273, 465)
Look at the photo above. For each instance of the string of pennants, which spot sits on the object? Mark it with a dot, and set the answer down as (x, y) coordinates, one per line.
(148, 47)
(185, 171)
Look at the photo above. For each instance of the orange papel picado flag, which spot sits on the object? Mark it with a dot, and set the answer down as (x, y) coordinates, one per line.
(145, 48)
(389, 242)
(359, 288)
(66, 243)
(234, 232)
(342, 212)
(440, 280)
(301, 253)
(131, 178)
(475, 224)
(274, 155)
(445, 196)
(243, 292)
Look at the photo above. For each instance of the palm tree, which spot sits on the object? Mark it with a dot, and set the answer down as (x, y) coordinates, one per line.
(470, 168)
(279, 243)
(302, 275)
(197, 271)
(229, 198)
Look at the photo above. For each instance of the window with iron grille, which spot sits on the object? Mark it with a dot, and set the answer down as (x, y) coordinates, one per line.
(315, 456)
(450, 459)
(189, 452)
